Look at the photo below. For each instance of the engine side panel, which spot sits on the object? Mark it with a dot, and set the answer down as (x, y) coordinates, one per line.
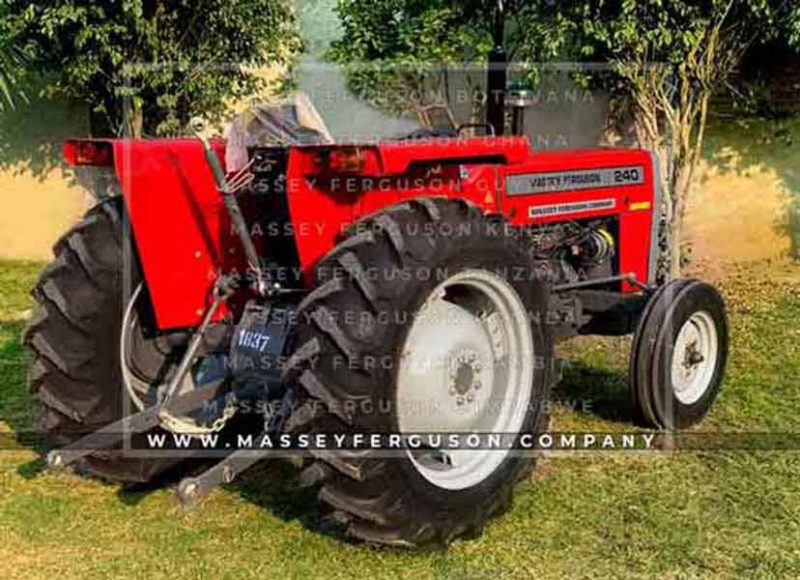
(540, 188)
(570, 185)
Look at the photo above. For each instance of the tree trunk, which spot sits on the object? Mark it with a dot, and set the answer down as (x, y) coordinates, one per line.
(134, 123)
(133, 117)
(675, 233)
(99, 125)
(794, 230)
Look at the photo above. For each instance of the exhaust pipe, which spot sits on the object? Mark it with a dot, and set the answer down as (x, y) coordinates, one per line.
(497, 74)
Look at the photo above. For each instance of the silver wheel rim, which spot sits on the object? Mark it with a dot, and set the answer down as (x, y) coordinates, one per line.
(140, 391)
(694, 358)
(466, 366)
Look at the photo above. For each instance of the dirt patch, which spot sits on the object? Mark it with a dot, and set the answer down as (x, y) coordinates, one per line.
(35, 211)
(738, 211)
(736, 216)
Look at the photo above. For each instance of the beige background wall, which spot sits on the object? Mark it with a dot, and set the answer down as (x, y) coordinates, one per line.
(38, 196)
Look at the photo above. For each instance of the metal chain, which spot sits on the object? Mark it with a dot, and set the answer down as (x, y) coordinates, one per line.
(229, 411)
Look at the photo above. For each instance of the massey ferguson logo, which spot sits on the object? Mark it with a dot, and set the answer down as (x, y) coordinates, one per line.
(552, 181)
(253, 340)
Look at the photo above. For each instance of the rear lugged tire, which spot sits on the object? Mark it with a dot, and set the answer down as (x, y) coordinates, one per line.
(351, 330)
(74, 334)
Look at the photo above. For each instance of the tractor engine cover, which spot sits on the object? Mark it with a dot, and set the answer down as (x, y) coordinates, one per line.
(257, 349)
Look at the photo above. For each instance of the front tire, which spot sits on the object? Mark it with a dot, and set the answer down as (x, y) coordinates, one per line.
(358, 331)
(679, 354)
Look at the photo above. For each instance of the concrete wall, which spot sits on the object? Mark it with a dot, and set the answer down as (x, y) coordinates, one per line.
(39, 198)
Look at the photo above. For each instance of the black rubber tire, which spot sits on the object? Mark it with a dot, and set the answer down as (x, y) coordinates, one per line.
(640, 402)
(74, 334)
(652, 352)
(341, 355)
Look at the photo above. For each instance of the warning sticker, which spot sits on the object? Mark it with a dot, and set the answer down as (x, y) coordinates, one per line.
(562, 208)
(528, 183)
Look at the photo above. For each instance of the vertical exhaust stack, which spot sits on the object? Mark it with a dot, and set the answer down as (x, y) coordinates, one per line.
(497, 74)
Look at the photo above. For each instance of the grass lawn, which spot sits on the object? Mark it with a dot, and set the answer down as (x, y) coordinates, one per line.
(719, 514)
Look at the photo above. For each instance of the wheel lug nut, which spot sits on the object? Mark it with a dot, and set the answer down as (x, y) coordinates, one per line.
(470, 397)
(453, 390)
(476, 385)
(460, 400)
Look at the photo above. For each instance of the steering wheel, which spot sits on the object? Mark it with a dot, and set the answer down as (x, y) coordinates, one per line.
(488, 127)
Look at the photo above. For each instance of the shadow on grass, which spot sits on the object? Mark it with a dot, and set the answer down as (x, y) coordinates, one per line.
(32, 469)
(133, 493)
(16, 402)
(272, 485)
(599, 391)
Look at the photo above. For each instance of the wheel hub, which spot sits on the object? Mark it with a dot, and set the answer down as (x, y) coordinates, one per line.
(696, 351)
(465, 377)
(692, 357)
(448, 351)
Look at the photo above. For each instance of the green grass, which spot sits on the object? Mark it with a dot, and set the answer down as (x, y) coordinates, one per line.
(721, 514)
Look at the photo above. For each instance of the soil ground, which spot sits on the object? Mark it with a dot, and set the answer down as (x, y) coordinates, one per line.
(738, 209)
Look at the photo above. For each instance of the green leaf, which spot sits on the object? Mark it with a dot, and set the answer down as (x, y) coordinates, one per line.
(105, 52)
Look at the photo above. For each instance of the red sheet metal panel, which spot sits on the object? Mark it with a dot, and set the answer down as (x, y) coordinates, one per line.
(568, 185)
(182, 232)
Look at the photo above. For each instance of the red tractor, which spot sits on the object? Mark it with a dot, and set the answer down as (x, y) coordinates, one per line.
(409, 286)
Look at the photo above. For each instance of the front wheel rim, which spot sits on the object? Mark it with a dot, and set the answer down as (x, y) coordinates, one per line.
(694, 358)
(467, 366)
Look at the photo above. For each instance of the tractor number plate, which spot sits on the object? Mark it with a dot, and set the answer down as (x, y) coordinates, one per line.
(551, 181)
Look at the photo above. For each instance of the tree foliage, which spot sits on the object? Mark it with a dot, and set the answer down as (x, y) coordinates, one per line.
(150, 65)
(669, 59)
(391, 46)
(11, 61)
(412, 31)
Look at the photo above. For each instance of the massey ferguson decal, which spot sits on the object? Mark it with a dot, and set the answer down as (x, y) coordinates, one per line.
(535, 211)
(528, 183)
